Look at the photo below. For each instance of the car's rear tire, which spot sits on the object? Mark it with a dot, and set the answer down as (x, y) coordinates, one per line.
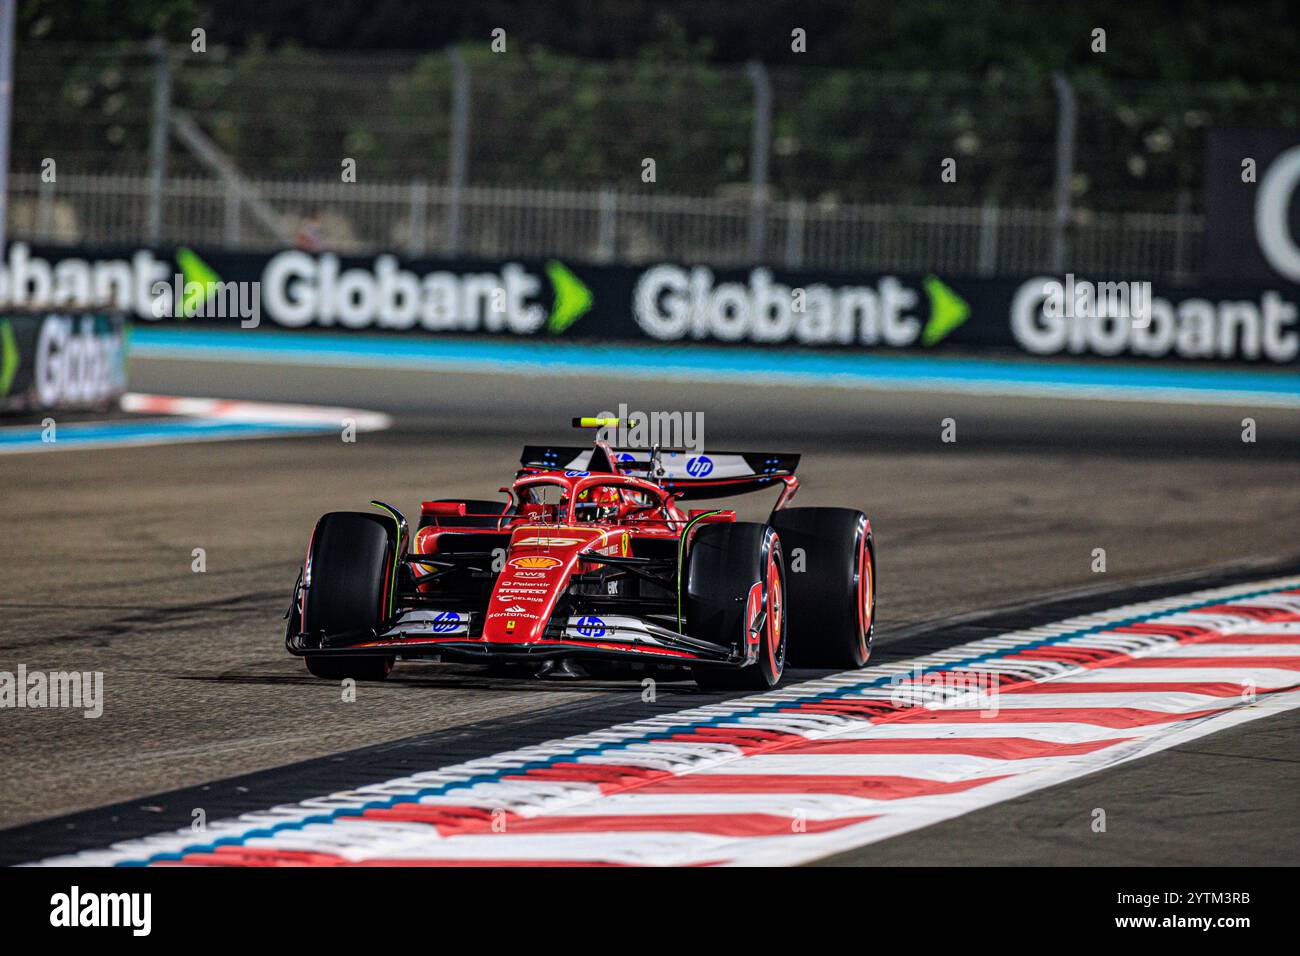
(734, 572)
(352, 564)
(832, 585)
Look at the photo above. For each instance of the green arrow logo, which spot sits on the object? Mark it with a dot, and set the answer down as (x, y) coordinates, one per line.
(572, 298)
(947, 311)
(8, 358)
(194, 269)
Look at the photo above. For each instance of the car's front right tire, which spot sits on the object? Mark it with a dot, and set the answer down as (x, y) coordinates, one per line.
(352, 566)
(735, 579)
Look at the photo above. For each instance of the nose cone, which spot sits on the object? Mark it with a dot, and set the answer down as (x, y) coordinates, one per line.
(540, 561)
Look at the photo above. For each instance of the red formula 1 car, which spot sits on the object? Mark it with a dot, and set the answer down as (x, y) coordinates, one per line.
(589, 565)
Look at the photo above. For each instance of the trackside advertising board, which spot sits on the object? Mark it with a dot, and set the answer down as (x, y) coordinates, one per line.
(1252, 201)
(1092, 316)
(60, 360)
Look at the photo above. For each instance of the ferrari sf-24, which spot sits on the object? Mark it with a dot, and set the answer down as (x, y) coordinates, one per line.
(588, 565)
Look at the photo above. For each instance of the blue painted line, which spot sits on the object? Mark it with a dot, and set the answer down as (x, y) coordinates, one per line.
(713, 362)
(496, 776)
(129, 433)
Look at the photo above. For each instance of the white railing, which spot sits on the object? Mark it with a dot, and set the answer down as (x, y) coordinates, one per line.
(605, 226)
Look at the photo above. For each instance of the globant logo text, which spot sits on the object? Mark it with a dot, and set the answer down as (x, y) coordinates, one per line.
(76, 282)
(78, 367)
(299, 289)
(1192, 328)
(671, 303)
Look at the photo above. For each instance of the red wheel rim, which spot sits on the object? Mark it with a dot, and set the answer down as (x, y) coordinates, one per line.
(774, 610)
(866, 594)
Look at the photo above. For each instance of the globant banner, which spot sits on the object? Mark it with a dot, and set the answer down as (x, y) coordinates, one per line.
(1093, 316)
(1252, 200)
(61, 360)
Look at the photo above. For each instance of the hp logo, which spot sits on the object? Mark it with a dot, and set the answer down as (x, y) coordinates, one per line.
(446, 621)
(591, 627)
(699, 467)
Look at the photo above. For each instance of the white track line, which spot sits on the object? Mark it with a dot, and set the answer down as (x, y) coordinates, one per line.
(802, 772)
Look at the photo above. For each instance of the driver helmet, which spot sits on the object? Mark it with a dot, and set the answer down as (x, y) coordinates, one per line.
(599, 504)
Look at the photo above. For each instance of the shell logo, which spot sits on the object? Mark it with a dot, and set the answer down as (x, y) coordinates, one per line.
(535, 563)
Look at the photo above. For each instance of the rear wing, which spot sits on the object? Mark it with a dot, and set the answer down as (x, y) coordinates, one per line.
(687, 474)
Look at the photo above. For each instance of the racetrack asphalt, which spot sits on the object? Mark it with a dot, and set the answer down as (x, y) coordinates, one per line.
(98, 552)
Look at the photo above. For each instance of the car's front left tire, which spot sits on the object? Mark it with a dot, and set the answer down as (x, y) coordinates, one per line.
(832, 585)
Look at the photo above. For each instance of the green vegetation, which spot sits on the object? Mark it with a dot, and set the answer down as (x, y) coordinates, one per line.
(586, 90)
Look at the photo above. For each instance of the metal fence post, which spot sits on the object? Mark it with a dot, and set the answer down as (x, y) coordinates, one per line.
(759, 149)
(795, 211)
(1183, 212)
(7, 9)
(244, 192)
(45, 211)
(1066, 118)
(419, 227)
(233, 212)
(459, 159)
(988, 255)
(607, 226)
(162, 101)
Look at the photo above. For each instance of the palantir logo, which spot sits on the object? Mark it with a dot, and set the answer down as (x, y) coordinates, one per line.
(591, 627)
(700, 466)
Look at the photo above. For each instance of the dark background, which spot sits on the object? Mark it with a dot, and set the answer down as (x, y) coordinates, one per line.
(1249, 40)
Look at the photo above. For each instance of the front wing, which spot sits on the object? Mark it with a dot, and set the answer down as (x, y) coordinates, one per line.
(446, 634)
